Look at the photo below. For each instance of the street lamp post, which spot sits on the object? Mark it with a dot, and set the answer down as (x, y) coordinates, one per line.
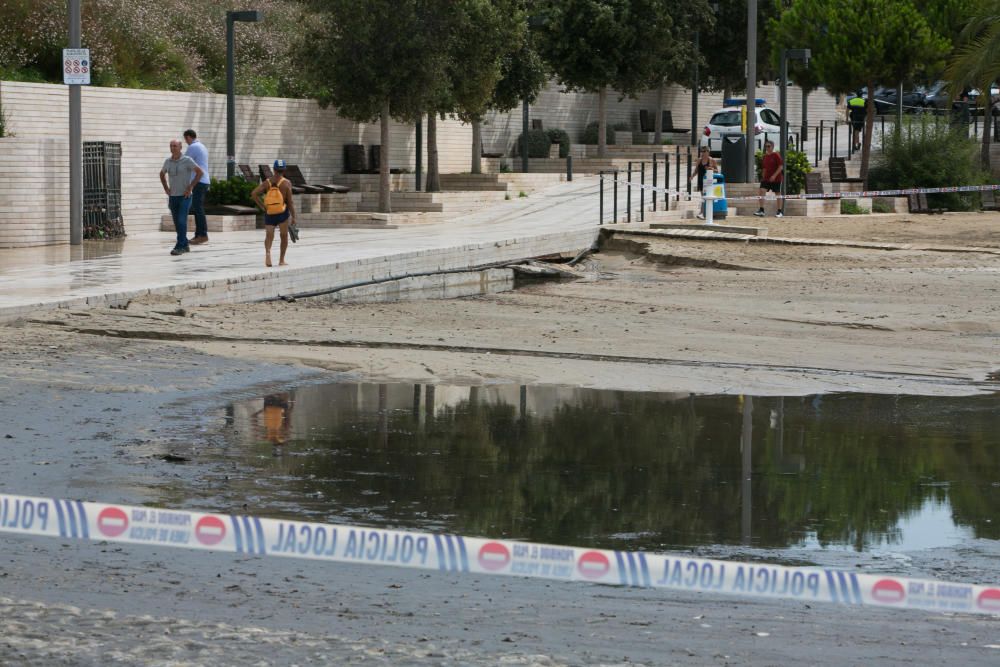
(751, 88)
(231, 19)
(75, 137)
(786, 55)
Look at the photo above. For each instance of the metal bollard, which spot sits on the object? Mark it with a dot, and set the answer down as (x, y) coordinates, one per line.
(677, 163)
(688, 171)
(614, 175)
(666, 182)
(569, 167)
(654, 181)
(819, 144)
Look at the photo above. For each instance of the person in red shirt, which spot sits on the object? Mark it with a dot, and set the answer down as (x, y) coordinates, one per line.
(772, 170)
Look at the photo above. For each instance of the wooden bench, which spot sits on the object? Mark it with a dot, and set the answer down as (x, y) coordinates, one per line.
(838, 171)
(814, 183)
(918, 204)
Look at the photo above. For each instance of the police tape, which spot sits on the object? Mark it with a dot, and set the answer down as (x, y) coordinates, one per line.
(69, 519)
(898, 192)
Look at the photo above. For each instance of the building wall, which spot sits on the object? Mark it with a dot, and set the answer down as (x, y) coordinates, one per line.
(35, 160)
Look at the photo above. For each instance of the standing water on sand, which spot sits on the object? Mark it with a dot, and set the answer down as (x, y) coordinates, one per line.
(614, 469)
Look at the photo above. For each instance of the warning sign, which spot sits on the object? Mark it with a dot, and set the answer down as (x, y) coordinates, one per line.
(76, 67)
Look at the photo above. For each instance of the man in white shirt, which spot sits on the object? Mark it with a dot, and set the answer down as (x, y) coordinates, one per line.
(197, 152)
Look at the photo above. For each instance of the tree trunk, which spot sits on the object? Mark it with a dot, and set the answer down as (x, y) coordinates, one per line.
(477, 146)
(602, 121)
(433, 176)
(658, 121)
(866, 146)
(384, 197)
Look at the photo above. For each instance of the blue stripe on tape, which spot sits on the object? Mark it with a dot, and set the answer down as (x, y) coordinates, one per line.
(440, 551)
(622, 576)
(855, 588)
(452, 556)
(260, 535)
(83, 520)
(237, 534)
(72, 519)
(633, 572)
(462, 551)
(832, 586)
(251, 540)
(62, 518)
(844, 591)
(645, 570)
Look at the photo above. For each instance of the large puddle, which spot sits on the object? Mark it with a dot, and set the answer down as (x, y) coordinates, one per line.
(627, 470)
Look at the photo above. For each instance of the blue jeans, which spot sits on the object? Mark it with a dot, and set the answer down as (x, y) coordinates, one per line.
(198, 209)
(179, 207)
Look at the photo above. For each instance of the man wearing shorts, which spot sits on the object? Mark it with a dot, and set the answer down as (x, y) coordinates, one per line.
(278, 216)
(771, 173)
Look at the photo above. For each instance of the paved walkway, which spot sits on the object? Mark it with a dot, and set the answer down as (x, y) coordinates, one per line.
(231, 267)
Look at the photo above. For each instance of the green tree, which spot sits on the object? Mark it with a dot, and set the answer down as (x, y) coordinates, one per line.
(593, 45)
(862, 42)
(380, 59)
(727, 43)
(976, 61)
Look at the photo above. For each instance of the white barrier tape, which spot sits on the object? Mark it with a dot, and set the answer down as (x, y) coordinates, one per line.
(58, 518)
(829, 195)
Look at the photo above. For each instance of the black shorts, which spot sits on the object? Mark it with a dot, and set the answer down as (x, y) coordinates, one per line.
(773, 187)
(858, 125)
(276, 219)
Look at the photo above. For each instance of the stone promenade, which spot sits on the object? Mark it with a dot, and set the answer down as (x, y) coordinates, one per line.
(230, 269)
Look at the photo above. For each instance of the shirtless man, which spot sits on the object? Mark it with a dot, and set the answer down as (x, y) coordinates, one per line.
(274, 197)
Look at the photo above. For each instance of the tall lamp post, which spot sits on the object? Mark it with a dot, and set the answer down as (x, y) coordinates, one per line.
(75, 137)
(695, 135)
(786, 55)
(231, 19)
(751, 138)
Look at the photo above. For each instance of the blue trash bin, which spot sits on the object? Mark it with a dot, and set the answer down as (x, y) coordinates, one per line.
(719, 207)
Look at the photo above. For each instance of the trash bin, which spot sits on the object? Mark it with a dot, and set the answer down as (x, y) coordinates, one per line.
(734, 157)
(719, 207)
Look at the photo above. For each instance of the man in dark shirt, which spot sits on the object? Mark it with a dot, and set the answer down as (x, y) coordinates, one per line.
(771, 172)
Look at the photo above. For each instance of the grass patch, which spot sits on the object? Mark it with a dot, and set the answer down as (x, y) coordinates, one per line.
(882, 206)
(522, 194)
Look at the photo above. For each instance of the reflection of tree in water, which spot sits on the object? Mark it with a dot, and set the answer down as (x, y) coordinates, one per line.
(664, 472)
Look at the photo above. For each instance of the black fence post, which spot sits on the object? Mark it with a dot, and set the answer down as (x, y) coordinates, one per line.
(819, 144)
(666, 182)
(688, 172)
(600, 215)
(833, 138)
(569, 167)
(654, 181)
(628, 194)
(614, 175)
(677, 164)
(642, 191)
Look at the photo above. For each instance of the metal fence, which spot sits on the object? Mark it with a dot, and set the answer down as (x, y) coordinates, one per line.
(102, 190)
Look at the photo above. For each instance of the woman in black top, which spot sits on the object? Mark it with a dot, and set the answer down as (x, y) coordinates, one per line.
(704, 163)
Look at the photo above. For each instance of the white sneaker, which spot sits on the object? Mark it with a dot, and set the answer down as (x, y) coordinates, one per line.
(779, 214)
(701, 217)
(759, 213)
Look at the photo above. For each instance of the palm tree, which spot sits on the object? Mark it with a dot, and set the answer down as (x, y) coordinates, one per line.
(976, 62)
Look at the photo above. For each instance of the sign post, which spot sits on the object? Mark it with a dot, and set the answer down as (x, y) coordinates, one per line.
(76, 73)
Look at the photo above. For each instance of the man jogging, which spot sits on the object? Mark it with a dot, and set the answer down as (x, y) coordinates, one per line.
(179, 176)
(197, 152)
(771, 173)
(274, 197)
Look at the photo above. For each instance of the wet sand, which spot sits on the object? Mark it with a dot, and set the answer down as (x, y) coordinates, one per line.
(93, 400)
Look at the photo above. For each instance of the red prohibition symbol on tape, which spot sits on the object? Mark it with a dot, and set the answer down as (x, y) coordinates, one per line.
(210, 530)
(888, 591)
(989, 600)
(593, 565)
(112, 521)
(494, 556)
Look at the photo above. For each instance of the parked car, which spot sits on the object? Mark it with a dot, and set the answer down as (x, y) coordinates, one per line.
(728, 121)
(913, 100)
(882, 103)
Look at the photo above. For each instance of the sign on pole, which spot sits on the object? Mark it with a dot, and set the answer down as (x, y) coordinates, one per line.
(76, 67)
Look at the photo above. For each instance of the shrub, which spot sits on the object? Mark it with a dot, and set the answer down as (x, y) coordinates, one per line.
(930, 156)
(538, 143)
(880, 205)
(590, 134)
(560, 137)
(850, 207)
(796, 167)
(232, 191)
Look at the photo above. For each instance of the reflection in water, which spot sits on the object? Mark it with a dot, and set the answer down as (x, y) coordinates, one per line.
(653, 470)
(274, 419)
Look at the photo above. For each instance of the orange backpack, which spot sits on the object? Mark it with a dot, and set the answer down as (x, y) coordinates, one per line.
(274, 200)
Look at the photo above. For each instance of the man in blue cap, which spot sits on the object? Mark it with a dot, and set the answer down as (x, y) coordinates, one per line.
(274, 197)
